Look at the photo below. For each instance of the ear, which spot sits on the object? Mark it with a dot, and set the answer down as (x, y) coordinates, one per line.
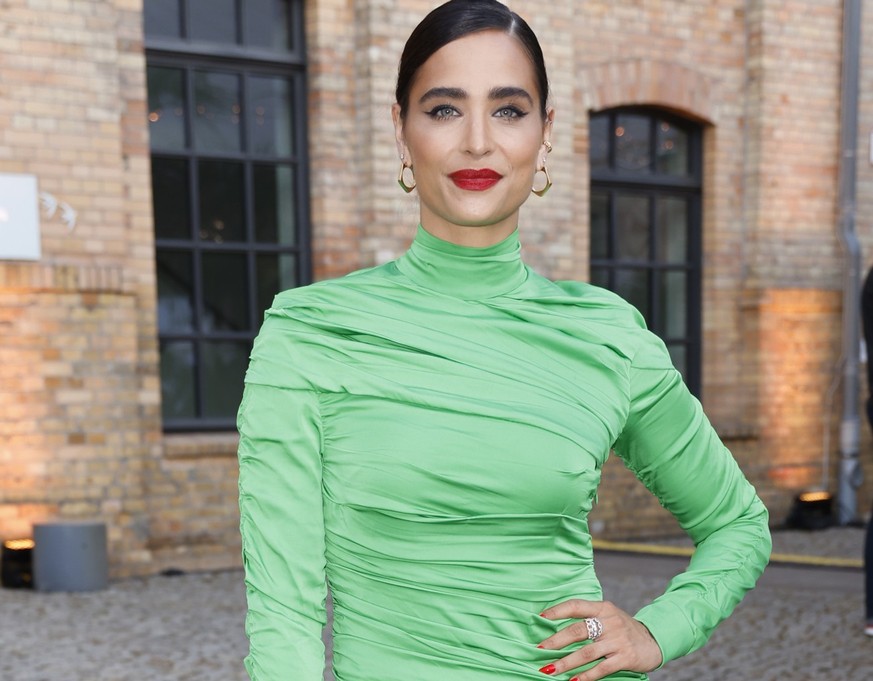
(402, 149)
(548, 122)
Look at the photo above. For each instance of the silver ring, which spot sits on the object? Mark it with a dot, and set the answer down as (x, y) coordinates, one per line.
(595, 628)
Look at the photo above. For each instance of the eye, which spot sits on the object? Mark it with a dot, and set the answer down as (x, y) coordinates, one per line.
(510, 112)
(443, 111)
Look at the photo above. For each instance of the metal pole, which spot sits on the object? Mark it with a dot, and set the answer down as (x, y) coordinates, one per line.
(849, 475)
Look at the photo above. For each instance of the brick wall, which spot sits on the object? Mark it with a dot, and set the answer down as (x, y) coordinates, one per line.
(79, 421)
(80, 432)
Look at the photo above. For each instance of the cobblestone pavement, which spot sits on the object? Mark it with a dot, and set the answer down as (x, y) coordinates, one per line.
(801, 623)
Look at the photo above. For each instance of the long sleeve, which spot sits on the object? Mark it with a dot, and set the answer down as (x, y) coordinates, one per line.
(282, 526)
(672, 448)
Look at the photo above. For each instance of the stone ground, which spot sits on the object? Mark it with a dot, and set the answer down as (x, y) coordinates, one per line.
(802, 622)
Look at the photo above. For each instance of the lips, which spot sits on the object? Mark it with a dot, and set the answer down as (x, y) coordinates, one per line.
(476, 180)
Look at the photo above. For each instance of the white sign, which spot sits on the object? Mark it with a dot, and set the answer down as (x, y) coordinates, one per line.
(19, 218)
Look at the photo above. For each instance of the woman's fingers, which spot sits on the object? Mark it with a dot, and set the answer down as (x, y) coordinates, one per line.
(623, 643)
(575, 607)
(577, 631)
(579, 658)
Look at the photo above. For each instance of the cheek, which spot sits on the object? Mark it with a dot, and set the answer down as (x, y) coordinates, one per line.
(525, 153)
(426, 149)
(525, 164)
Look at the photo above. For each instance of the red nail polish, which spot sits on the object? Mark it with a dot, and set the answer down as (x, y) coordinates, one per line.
(548, 669)
(540, 647)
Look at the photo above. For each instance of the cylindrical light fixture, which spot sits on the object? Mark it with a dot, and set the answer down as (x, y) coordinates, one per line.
(16, 564)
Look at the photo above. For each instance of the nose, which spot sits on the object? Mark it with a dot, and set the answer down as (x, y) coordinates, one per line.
(477, 139)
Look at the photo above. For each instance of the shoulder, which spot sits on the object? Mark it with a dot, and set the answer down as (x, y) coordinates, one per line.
(595, 303)
(615, 318)
(297, 344)
(359, 282)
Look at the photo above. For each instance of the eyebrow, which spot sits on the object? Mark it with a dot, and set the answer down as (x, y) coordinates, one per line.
(505, 92)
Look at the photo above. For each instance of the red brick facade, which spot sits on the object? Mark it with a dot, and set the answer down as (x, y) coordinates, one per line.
(80, 427)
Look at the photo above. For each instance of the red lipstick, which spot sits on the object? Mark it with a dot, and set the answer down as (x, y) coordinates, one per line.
(475, 180)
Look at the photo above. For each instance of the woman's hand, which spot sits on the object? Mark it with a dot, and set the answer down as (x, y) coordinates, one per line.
(624, 644)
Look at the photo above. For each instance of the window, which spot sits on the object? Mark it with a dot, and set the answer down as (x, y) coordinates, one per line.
(227, 128)
(645, 223)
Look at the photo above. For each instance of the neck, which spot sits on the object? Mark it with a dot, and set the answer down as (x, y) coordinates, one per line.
(472, 237)
(467, 272)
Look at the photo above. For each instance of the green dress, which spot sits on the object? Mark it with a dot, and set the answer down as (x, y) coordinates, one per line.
(429, 434)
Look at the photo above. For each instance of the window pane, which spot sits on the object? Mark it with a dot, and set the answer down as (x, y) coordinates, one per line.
(175, 292)
(225, 292)
(222, 201)
(274, 205)
(600, 277)
(631, 227)
(270, 107)
(633, 142)
(671, 149)
(672, 229)
(171, 198)
(162, 18)
(276, 272)
(599, 225)
(217, 112)
(645, 219)
(212, 20)
(598, 135)
(177, 380)
(166, 108)
(633, 286)
(673, 304)
(679, 355)
(266, 24)
(224, 367)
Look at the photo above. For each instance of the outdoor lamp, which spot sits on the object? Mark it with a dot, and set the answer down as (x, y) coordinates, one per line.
(812, 511)
(16, 564)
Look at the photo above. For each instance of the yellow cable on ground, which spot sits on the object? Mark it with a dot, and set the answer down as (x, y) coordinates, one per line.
(687, 551)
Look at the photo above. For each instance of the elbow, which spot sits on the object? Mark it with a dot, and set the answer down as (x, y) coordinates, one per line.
(762, 517)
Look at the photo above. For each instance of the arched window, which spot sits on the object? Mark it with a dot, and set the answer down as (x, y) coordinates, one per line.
(645, 223)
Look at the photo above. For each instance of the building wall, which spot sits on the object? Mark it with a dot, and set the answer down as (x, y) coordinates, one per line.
(864, 217)
(80, 432)
(79, 402)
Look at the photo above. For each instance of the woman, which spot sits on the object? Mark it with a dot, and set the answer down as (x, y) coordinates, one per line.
(429, 434)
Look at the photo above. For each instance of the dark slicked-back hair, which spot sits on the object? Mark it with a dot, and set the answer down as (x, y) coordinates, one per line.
(456, 19)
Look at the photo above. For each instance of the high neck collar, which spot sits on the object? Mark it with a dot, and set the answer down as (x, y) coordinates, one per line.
(464, 271)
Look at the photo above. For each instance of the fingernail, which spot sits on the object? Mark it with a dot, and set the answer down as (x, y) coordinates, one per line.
(541, 646)
(548, 669)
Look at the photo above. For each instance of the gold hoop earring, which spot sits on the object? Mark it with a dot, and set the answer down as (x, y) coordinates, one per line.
(400, 180)
(548, 185)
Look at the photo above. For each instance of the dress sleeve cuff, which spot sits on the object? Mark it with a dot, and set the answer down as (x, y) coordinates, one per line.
(669, 627)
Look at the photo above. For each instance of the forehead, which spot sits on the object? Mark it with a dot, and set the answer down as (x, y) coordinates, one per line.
(479, 61)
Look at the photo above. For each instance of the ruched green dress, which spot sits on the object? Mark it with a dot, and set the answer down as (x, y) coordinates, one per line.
(428, 435)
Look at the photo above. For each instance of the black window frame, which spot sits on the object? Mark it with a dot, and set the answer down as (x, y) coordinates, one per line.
(652, 184)
(246, 62)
